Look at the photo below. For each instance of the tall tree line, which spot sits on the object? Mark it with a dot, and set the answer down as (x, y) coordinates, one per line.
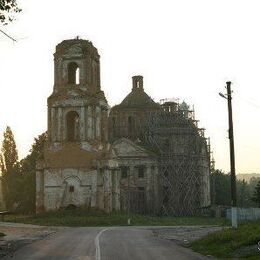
(221, 190)
(10, 168)
(18, 177)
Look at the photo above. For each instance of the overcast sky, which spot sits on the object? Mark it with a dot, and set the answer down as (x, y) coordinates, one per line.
(184, 49)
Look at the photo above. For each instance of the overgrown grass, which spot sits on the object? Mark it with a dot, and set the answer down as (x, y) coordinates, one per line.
(2, 234)
(86, 218)
(228, 243)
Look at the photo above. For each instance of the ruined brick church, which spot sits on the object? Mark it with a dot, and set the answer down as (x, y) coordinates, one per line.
(142, 156)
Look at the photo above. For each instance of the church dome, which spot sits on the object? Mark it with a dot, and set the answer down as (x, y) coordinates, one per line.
(137, 98)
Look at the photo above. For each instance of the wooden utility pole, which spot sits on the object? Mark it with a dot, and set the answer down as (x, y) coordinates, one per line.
(228, 96)
(231, 144)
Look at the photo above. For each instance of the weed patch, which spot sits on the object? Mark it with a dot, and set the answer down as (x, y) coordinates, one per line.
(229, 242)
(84, 217)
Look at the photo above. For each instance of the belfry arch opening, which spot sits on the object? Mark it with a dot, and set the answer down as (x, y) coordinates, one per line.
(72, 123)
(73, 73)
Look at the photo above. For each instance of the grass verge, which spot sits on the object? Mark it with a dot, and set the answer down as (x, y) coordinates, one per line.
(86, 218)
(231, 243)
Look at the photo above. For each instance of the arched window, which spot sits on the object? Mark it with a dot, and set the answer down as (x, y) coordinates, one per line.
(137, 84)
(73, 73)
(130, 126)
(77, 76)
(72, 120)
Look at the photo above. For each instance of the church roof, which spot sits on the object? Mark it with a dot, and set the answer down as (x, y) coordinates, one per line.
(137, 98)
(76, 45)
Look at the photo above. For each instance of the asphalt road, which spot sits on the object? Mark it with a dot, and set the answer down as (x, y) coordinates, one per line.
(126, 243)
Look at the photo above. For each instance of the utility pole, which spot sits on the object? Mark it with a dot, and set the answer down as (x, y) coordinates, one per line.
(231, 145)
(228, 96)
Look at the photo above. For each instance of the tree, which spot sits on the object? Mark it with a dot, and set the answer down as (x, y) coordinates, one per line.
(244, 194)
(7, 10)
(28, 171)
(256, 195)
(221, 182)
(10, 168)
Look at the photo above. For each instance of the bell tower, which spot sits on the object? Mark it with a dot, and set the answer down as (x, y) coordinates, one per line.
(76, 63)
(77, 108)
(78, 167)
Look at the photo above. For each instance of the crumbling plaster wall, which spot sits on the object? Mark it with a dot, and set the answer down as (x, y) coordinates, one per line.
(90, 123)
(57, 183)
(133, 157)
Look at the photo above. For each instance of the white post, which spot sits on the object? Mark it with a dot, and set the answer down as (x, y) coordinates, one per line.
(234, 217)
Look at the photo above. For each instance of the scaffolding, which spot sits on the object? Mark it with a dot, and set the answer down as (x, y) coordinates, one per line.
(184, 159)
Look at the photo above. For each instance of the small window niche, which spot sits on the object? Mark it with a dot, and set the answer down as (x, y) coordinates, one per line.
(72, 123)
(130, 126)
(124, 172)
(141, 170)
(71, 188)
(73, 73)
(141, 189)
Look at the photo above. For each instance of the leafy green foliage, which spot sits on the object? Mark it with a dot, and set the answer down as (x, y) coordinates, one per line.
(86, 217)
(28, 171)
(18, 178)
(221, 190)
(10, 169)
(229, 242)
(9, 151)
(221, 182)
(256, 195)
(7, 10)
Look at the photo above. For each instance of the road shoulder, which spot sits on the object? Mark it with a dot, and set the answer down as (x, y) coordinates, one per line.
(18, 235)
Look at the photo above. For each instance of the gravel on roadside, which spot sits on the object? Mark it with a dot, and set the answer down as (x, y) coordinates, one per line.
(18, 235)
(185, 234)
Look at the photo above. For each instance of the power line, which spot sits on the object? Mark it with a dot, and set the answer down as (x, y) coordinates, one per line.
(252, 103)
(10, 37)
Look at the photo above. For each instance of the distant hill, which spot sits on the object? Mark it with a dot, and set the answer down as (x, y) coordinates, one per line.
(247, 176)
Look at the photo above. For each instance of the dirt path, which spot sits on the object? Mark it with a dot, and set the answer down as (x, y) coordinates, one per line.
(184, 234)
(18, 235)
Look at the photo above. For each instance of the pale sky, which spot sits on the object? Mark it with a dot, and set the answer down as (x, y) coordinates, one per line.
(184, 49)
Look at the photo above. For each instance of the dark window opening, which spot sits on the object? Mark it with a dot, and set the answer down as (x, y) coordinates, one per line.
(141, 172)
(71, 207)
(124, 172)
(72, 119)
(130, 126)
(140, 188)
(73, 73)
(71, 189)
